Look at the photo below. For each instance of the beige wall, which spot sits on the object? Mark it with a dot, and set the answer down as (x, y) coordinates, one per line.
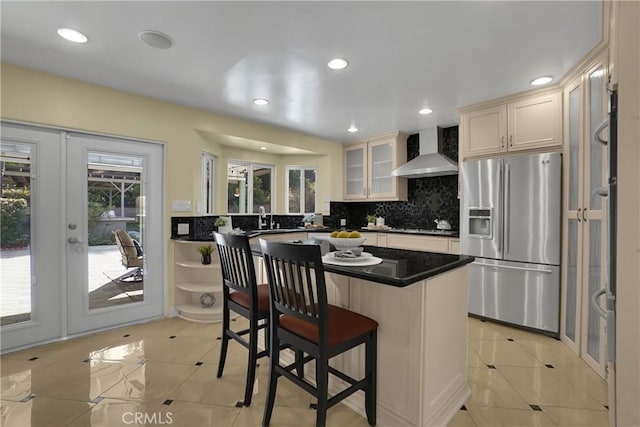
(627, 63)
(40, 98)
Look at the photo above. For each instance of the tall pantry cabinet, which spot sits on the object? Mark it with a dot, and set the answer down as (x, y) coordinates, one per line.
(584, 228)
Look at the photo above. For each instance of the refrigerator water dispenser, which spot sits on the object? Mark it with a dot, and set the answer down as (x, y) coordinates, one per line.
(480, 223)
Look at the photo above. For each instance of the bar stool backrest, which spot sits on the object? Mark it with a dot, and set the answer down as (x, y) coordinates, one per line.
(296, 282)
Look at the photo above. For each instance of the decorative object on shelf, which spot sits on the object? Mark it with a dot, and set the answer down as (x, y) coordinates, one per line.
(207, 300)
(371, 220)
(205, 251)
(224, 224)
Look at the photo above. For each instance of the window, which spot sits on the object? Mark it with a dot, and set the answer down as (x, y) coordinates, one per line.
(249, 186)
(301, 189)
(208, 184)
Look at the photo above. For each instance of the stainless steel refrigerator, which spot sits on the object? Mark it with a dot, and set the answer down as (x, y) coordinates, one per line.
(511, 223)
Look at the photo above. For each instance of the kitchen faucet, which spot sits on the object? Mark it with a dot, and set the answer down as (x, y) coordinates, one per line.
(262, 217)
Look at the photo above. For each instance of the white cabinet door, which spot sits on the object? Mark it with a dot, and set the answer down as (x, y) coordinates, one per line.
(355, 167)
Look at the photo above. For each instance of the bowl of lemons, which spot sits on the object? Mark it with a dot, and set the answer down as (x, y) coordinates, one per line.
(345, 240)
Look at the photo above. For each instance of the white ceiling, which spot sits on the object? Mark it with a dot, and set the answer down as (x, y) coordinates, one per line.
(402, 55)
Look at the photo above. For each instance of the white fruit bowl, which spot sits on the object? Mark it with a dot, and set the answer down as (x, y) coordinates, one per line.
(345, 243)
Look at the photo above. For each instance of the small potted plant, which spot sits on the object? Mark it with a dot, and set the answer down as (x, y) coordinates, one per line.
(223, 225)
(371, 220)
(205, 252)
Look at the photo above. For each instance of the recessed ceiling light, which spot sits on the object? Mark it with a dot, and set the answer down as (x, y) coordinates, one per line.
(541, 81)
(260, 101)
(72, 35)
(155, 39)
(352, 129)
(425, 111)
(263, 148)
(337, 64)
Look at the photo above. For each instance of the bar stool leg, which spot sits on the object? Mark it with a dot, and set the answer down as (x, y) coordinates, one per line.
(274, 357)
(371, 352)
(225, 337)
(299, 363)
(322, 381)
(251, 368)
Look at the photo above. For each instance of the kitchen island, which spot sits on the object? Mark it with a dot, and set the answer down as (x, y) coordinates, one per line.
(420, 301)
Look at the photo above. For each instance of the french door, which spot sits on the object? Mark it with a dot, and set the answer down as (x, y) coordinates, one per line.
(80, 189)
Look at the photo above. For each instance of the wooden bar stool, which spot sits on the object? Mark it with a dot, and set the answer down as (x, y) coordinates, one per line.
(244, 296)
(307, 323)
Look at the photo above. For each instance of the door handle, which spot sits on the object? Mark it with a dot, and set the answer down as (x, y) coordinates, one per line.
(594, 302)
(596, 133)
(584, 214)
(578, 214)
(74, 240)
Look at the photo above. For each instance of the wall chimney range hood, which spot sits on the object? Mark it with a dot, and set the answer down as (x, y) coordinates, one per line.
(430, 162)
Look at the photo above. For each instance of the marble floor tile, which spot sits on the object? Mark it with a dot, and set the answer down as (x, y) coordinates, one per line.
(190, 414)
(547, 387)
(552, 352)
(571, 417)
(489, 388)
(506, 353)
(203, 387)
(152, 382)
(113, 412)
(461, 419)
(41, 411)
(499, 417)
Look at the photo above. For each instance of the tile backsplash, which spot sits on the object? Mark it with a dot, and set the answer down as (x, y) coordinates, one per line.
(428, 198)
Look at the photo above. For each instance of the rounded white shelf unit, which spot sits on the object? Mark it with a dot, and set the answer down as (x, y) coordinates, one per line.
(192, 280)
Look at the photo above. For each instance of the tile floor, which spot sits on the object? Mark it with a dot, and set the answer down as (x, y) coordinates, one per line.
(166, 370)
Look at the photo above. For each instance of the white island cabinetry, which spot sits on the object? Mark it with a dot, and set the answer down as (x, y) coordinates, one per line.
(198, 287)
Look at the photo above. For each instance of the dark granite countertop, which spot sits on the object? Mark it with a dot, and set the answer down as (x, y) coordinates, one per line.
(254, 233)
(399, 267)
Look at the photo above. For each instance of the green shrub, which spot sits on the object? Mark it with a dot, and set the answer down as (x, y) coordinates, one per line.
(13, 214)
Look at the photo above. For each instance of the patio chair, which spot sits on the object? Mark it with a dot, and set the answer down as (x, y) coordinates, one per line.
(132, 256)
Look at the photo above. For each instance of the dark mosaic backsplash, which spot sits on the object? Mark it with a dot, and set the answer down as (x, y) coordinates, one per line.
(428, 198)
(201, 227)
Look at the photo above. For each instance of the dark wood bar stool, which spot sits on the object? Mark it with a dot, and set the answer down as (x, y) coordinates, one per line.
(307, 323)
(244, 296)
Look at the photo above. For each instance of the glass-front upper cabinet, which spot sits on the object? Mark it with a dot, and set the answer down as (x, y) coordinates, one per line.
(368, 165)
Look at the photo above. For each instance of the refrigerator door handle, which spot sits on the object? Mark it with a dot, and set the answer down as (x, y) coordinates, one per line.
(512, 267)
(596, 133)
(499, 235)
(507, 207)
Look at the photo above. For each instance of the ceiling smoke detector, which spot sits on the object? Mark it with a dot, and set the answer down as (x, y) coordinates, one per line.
(155, 39)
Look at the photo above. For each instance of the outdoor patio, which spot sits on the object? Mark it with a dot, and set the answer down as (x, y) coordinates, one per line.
(104, 288)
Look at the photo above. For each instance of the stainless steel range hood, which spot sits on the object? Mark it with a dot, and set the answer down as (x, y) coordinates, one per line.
(430, 162)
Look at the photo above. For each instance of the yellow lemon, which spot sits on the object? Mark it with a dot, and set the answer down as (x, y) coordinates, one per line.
(335, 234)
(354, 235)
(343, 234)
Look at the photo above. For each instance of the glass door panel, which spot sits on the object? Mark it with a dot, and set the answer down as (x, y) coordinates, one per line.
(571, 304)
(114, 199)
(31, 243)
(574, 148)
(596, 149)
(595, 284)
(355, 171)
(15, 235)
(381, 167)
